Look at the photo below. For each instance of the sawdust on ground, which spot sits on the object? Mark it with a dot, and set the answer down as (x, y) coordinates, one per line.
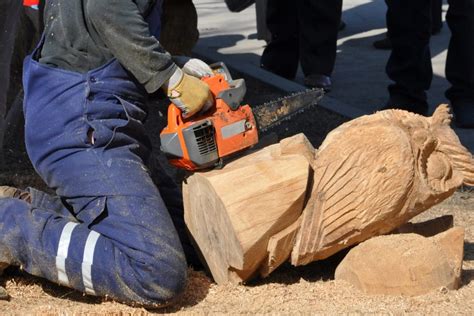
(289, 290)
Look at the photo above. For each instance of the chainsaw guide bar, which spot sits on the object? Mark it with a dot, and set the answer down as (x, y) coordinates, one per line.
(272, 113)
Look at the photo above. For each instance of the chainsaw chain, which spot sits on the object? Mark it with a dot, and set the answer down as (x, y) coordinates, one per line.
(273, 113)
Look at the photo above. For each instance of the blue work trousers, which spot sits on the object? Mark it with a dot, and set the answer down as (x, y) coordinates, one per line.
(108, 230)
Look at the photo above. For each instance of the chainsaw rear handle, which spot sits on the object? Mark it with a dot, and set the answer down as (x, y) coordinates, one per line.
(220, 68)
(234, 96)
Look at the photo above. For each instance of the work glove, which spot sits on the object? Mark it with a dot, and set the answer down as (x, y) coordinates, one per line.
(188, 93)
(193, 66)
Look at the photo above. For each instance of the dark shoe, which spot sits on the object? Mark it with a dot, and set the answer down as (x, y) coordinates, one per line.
(463, 114)
(318, 81)
(383, 44)
(11, 192)
(410, 106)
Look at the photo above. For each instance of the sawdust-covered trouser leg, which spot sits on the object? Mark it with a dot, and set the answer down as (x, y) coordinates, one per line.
(110, 233)
(122, 256)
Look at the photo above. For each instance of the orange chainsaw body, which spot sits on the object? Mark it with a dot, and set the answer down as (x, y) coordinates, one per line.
(202, 140)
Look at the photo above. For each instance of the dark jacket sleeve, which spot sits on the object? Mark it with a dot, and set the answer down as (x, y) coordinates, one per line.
(121, 26)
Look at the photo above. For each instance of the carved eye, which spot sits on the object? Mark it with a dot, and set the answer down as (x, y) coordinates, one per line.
(436, 166)
(441, 174)
(439, 171)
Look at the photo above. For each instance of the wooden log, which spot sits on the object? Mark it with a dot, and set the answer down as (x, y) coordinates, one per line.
(279, 248)
(298, 144)
(233, 212)
(376, 172)
(406, 264)
(281, 244)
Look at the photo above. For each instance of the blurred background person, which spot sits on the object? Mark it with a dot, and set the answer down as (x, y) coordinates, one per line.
(303, 32)
(409, 65)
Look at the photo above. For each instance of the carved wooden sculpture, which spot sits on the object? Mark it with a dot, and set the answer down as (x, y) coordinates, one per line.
(368, 177)
(376, 172)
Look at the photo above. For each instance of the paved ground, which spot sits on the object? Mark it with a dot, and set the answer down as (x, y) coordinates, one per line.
(359, 80)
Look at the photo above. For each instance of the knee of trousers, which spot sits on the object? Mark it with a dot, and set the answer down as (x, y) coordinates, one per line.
(160, 279)
(152, 262)
(148, 274)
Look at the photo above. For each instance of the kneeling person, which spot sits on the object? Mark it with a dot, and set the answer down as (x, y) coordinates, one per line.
(108, 231)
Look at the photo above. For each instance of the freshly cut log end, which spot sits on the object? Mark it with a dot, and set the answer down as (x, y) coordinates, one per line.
(208, 227)
(232, 213)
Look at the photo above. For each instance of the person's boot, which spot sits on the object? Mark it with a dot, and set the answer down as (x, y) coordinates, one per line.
(11, 192)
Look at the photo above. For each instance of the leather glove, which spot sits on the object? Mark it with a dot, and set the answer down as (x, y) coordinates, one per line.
(188, 93)
(193, 66)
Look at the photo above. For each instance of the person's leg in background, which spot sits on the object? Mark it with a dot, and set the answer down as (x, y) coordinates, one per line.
(436, 24)
(409, 65)
(460, 61)
(319, 24)
(281, 56)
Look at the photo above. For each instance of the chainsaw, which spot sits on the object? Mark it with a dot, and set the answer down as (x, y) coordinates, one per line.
(203, 140)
